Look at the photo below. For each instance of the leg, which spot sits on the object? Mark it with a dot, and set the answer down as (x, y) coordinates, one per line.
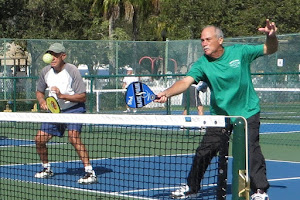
(200, 110)
(74, 138)
(41, 139)
(258, 177)
(207, 149)
(90, 177)
(184, 111)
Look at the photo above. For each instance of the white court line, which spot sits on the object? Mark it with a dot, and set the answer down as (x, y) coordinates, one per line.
(164, 188)
(267, 133)
(284, 161)
(30, 145)
(98, 159)
(285, 179)
(87, 190)
(27, 145)
(209, 185)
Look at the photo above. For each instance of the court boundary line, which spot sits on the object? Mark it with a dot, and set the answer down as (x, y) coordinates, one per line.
(28, 145)
(156, 189)
(284, 161)
(80, 189)
(284, 179)
(96, 159)
(285, 132)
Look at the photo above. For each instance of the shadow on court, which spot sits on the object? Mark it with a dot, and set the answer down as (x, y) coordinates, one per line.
(80, 171)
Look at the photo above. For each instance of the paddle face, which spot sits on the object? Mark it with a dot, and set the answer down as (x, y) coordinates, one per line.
(52, 105)
(138, 95)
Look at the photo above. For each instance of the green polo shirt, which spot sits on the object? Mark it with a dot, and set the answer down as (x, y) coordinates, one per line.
(229, 78)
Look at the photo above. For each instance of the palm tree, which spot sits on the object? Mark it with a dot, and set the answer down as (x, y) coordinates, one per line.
(140, 9)
(132, 9)
(111, 10)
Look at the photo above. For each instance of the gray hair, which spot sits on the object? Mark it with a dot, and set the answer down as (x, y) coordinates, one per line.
(219, 32)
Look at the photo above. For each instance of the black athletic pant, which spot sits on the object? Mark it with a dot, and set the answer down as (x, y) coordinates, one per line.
(217, 139)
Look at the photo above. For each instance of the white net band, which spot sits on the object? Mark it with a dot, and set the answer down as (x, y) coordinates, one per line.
(146, 120)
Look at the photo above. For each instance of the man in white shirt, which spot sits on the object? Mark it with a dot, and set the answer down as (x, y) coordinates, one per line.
(66, 85)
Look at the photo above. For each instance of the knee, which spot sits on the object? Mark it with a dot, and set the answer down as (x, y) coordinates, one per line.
(74, 138)
(37, 140)
(40, 139)
(75, 141)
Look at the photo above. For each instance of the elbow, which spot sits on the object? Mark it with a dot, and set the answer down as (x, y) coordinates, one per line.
(83, 98)
(271, 49)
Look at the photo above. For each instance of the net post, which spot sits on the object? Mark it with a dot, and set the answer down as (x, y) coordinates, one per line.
(240, 183)
(91, 95)
(168, 103)
(187, 101)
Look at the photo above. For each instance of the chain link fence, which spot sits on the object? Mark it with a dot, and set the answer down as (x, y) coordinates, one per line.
(103, 65)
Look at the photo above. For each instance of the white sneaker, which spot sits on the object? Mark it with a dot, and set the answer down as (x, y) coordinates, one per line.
(45, 173)
(134, 110)
(88, 178)
(260, 195)
(127, 110)
(183, 193)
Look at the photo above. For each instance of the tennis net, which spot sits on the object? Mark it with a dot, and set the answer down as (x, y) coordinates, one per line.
(134, 156)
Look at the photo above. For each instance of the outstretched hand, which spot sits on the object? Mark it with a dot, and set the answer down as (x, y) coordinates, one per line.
(270, 29)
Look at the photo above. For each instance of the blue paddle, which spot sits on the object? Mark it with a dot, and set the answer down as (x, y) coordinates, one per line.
(138, 95)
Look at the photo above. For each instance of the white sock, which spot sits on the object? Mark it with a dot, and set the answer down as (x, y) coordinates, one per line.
(89, 169)
(47, 166)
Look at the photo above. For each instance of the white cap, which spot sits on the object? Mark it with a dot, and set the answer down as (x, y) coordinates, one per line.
(129, 68)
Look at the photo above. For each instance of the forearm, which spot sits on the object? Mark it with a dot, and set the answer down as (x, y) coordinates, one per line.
(40, 97)
(81, 98)
(177, 88)
(271, 45)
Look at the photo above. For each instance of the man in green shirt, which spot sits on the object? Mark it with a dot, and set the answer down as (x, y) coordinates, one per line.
(226, 70)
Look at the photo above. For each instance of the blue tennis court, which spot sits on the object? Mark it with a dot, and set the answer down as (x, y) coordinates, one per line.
(139, 182)
(147, 177)
(279, 128)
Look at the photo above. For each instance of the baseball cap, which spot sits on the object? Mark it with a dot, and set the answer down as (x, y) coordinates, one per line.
(57, 48)
(129, 68)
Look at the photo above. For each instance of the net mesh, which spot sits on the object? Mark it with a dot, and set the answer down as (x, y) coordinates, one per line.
(131, 159)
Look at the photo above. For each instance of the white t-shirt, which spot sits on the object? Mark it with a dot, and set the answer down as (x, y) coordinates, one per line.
(129, 79)
(68, 81)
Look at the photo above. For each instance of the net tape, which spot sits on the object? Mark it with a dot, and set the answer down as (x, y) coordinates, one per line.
(113, 119)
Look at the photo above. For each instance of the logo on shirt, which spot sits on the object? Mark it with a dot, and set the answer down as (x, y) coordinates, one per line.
(235, 63)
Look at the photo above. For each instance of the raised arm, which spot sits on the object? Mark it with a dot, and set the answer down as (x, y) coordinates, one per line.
(271, 44)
